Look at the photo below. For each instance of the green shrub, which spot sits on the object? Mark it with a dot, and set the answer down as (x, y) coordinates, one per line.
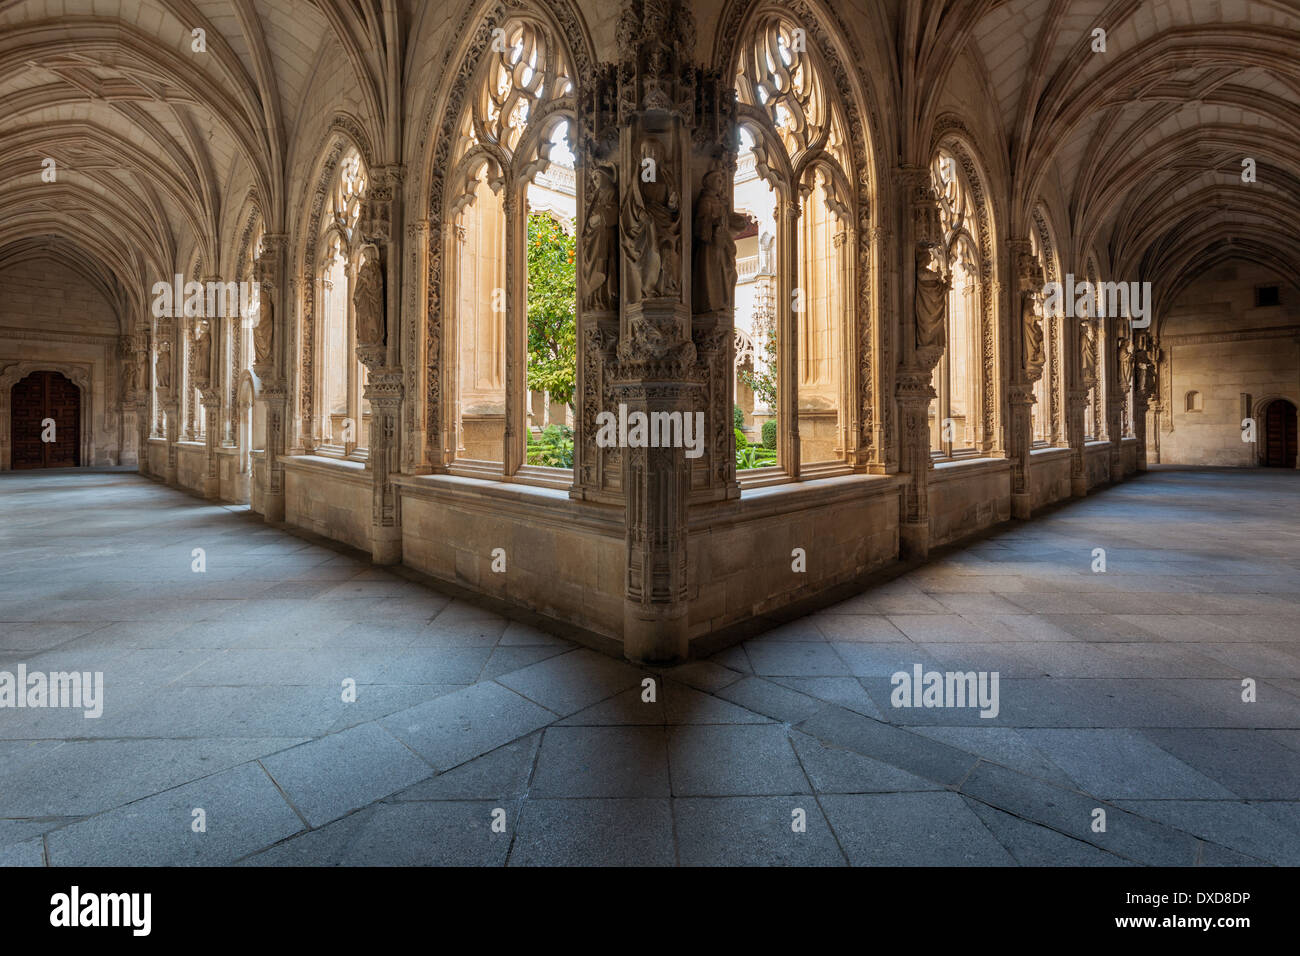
(754, 456)
(769, 434)
(553, 448)
(741, 440)
(738, 417)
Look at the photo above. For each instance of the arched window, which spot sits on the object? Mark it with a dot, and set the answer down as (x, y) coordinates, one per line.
(794, 139)
(1046, 412)
(342, 411)
(955, 411)
(1193, 402)
(512, 253)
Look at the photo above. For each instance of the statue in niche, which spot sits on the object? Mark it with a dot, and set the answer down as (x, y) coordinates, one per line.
(164, 367)
(1031, 315)
(1089, 352)
(368, 300)
(1144, 368)
(202, 353)
(713, 272)
(931, 301)
(1125, 350)
(600, 242)
(652, 227)
(264, 331)
(130, 378)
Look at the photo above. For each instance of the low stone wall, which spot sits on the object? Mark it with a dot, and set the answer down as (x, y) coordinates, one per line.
(740, 553)
(563, 559)
(328, 497)
(1096, 464)
(968, 496)
(1049, 476)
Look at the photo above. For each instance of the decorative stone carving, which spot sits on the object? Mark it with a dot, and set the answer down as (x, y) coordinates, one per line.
(600, 259)
(264, 331)
(163, 367)
(368, 300)
(1030, 275)
(652, 226)
(203, 332)
(931, 302)
(713, 270)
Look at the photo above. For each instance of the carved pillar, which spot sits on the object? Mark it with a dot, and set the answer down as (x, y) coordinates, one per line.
(375, 303)
(1145, 397)
(1030, 358)
(129, 443)
(924, 340)
(212, 471)
(270, 355)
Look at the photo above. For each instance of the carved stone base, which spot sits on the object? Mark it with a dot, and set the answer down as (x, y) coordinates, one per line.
(1079, 486)
(1022, 506)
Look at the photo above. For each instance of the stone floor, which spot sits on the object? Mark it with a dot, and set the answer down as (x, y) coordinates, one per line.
(1119, 691)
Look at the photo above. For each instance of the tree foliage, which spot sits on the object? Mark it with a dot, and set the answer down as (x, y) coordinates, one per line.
(552, 308)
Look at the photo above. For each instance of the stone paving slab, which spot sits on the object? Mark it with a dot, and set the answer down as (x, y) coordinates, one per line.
(1119, 692)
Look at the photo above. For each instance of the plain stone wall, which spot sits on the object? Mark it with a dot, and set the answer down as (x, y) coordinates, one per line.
(1096, 463)
(1222, 346)
(191, 466)
(558, 562)
(329, 498)
(966, 497)
(50, 314)
(1049, 476)
(740, 561)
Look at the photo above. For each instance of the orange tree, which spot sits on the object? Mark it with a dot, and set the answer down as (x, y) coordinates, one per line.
(552, 308)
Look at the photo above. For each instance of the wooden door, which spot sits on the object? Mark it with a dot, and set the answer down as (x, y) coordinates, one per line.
(1280, 435)
(40, 397)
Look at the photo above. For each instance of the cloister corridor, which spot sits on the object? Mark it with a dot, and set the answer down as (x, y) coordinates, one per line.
(223, 690)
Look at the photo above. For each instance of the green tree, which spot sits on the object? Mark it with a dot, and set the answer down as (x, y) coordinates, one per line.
(552, 307)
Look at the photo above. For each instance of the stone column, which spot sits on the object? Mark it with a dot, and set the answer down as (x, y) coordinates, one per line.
(925, 324)
(1030, 357)
(271, 354)
(1145, 394)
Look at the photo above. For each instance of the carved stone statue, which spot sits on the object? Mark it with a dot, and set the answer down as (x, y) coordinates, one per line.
(1125, 349)
(713, 273)
(600, 242)
(1089, 339)
(130, 377)
(1031, 317)
(931, 301)
(202, 354)
(652, 227)
(163, 368)
(264, 331)
(368, 300)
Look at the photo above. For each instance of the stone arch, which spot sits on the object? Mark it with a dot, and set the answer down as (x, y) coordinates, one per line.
(437, 137)
(871, 429)
(344, 133)
(951, 133)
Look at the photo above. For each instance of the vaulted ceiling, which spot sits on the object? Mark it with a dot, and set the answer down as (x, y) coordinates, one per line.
(1143, 142)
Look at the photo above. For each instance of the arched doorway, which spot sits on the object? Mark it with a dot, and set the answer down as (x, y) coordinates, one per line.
(1280, 434)
(45, 422)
